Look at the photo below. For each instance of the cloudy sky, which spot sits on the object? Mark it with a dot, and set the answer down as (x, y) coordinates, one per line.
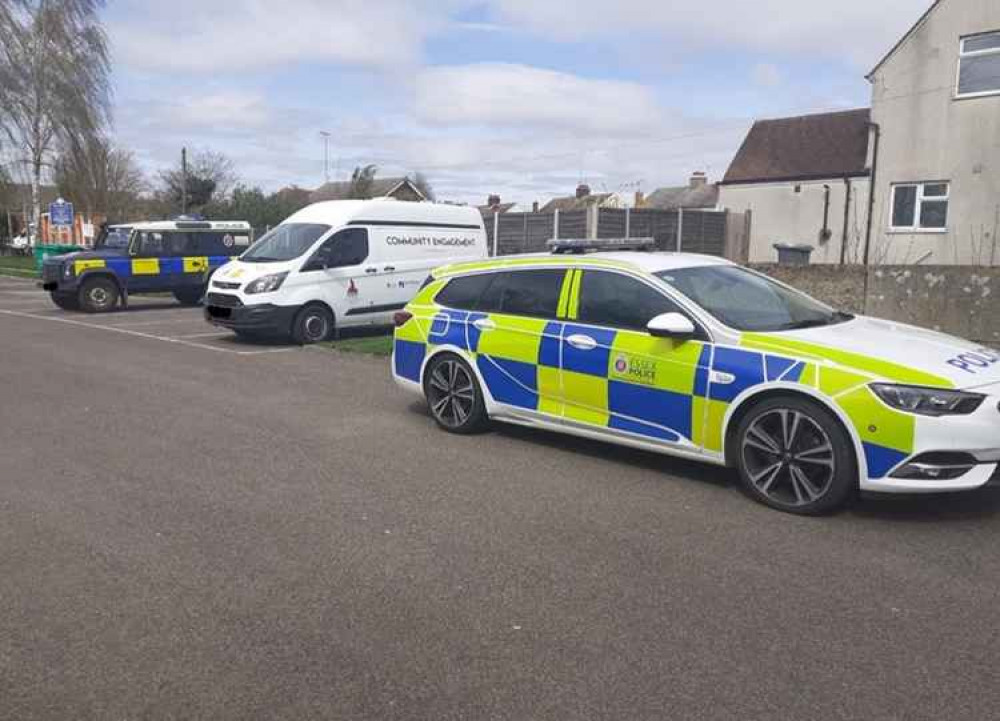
(519, 97)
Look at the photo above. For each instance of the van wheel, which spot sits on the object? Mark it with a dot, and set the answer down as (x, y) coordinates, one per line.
(453, 395)
(189, 296)
(312, 324)
(795, 456)
(98, 295)
(66, 301)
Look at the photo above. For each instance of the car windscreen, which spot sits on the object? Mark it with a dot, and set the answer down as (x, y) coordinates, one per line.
(115, 238)
(285, 242)
(746, 301)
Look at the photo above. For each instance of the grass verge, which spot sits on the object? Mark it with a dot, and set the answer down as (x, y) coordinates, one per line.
(18, 266)
(377, 345)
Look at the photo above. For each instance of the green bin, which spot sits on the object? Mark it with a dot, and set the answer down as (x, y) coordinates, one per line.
(44, 251)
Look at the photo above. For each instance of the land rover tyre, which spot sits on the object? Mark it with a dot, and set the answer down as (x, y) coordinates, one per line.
(454, 396)
(312, 324)
(98, 295)
(189, 296)
(794, 455)
(66, 301)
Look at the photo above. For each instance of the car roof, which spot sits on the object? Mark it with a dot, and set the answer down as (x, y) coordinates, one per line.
(342, 212)
(191, 225)
(641, 261)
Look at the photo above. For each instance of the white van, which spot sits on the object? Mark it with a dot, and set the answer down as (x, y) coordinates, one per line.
(340, 263)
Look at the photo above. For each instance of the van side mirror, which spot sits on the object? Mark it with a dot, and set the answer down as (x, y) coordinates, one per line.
(671, 325)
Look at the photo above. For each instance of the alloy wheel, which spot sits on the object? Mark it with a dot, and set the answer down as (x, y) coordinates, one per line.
(788, 457)
(451, 393)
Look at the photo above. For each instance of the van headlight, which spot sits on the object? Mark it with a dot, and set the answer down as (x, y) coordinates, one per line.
(927, 401)
(267, 284)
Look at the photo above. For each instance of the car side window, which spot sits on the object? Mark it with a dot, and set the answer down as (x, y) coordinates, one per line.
(464, 293)
(617, 301)
(178, 244)
(345, 248)
(149, 244)
(532, 293)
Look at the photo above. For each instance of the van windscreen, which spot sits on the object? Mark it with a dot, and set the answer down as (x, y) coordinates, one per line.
(285, 242)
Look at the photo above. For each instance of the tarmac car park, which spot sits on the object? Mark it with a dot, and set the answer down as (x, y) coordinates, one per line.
(697, 357)
(176, 256)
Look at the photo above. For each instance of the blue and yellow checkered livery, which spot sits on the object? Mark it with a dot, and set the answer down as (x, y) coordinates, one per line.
(126, 268)
(652, 389)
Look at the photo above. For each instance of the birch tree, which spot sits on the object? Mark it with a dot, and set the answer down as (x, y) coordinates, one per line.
(54, 80)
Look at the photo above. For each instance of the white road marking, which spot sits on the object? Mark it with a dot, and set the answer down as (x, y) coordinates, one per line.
(203, 335)
(165, 321)
(140, 334)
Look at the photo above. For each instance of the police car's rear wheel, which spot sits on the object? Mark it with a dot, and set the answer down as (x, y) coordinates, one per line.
(98, 295)
(313, 324)
(796, 457)
(453, 395)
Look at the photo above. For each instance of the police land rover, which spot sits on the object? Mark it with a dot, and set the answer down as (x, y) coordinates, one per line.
(174, 256)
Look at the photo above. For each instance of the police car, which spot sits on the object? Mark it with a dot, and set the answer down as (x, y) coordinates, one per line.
(175, 256)
(697, 357)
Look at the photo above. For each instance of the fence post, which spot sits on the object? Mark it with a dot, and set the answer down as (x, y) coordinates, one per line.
(628, 222)
(524, 234)
(594, 217)
(496, 234)
(555, 224)
(680, 229)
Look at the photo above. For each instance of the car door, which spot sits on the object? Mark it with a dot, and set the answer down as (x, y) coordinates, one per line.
(346, 278)
(145, 270)
(180, 266)
(616, 375)
(513, 332)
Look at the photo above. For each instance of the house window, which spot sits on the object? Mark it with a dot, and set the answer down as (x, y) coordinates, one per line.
(979, 65)
(920, 206)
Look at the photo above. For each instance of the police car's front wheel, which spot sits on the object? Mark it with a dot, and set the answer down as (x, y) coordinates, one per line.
(795, 456)
(453, 395)
(98, 295)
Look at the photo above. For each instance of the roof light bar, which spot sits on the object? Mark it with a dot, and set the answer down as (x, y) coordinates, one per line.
(593, 245)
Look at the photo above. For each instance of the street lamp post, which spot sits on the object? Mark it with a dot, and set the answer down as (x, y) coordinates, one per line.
(326, 154)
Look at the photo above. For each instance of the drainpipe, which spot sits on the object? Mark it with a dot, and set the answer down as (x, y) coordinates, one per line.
(847, 219)
(873, 179)
(825, 233)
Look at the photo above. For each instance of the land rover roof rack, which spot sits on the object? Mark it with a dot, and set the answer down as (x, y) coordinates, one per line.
(594, 245)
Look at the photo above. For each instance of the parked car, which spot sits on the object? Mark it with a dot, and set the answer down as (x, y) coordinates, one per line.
(168, 256)
(340, 263)
(697, 357)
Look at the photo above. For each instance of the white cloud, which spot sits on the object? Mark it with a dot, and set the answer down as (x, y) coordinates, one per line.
(235, 110)
(859, 30)
(195, 36)
(507, 95)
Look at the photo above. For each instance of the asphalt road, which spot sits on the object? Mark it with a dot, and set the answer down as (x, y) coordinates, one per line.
(192, 527)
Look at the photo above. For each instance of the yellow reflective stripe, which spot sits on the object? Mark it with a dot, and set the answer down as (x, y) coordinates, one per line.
(146, 266)
(514, 338)
(197, 264)
(876, 423)
(574, 296)
(853, 361)
(564, 294)
(79, 266)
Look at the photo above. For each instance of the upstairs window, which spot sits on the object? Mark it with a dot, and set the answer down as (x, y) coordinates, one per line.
(920, 207)
(979, 65)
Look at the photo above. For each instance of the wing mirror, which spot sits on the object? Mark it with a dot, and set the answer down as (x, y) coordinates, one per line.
(671, 325)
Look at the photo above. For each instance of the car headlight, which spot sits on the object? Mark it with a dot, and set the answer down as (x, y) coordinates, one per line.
(67, 270)
(267, 284)
(928, 401)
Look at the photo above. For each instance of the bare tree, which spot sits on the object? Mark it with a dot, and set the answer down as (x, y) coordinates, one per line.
(423, 185)
(54, 79)
(362, 180)
(99, 177)
(211, 177)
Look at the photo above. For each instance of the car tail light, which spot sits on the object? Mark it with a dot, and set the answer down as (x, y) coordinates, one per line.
(401, 318)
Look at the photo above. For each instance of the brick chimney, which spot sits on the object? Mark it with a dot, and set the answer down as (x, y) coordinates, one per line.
(493, 201)
(582, 190)
(698, 179)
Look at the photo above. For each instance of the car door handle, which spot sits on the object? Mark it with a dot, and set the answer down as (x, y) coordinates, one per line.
(389, 268)
(484, 324)
(581, 342)
(371, 270)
